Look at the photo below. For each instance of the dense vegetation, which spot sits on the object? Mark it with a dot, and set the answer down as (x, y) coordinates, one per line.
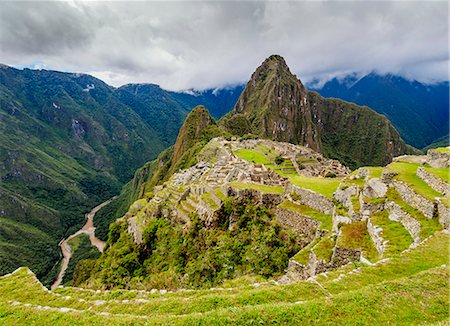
(68, 142)
(82, 249)
(172, 256)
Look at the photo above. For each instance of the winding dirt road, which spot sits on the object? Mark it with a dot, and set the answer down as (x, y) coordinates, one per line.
(89, 229)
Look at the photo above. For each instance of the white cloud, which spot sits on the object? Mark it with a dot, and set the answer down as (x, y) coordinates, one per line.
(212, 44)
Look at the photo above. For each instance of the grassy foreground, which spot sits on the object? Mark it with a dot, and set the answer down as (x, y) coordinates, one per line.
(410, 288)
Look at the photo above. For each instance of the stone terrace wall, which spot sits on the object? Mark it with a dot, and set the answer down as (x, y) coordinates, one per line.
(255, 196)
(413, 199)
(434, 182)
(410, 224)
(374, 232)
(438, 159)
(312, 199)
(444, 215)
(342, 256)
(299, 222)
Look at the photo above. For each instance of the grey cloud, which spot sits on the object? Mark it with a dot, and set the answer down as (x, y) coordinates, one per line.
(211, 44)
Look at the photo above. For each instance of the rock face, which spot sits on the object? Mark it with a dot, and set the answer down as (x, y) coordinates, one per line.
(374, 188)
(276, 105)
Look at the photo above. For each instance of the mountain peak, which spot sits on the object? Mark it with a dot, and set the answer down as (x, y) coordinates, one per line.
(194, 125)
(274, 105)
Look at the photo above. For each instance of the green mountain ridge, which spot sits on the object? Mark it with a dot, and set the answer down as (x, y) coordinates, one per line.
(68, 142)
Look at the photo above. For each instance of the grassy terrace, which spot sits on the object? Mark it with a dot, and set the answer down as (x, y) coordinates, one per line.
(407, 289)
(398, 237)
(427, 226)
(262, 188)
(252, 156)
(324, 248)
(407, 173)
(302, 256)
(355, 236)
(219, 194)
(323, 186)
(324, 219)
(207, 198)
(441, 150)
(442, 173)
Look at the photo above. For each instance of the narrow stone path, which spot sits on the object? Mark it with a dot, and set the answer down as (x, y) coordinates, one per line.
(89, 229)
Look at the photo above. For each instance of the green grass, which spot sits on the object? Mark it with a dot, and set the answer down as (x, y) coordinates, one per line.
(207, 198)
(323, 186)
(375, 171)
(356, 204)
(398, 237)
(427, 226)
(219, 194)
(262, 188)
(325, 220)
(442, 173)
(407, 173)
(355, 236)
(407, 289)
(252, 156)
(441, 150)
(324, 248)
(302, 256)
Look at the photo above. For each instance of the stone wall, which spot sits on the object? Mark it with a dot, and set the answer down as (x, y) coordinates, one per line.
(413, 199)
(339, 219)
(374, 232)
(438, 159)
(255, 196)
(342, 256)
(294, 272)
(410, 224)
(388, 176)
(444, 214)
(344, 196)
(434, 182)
(299, 222)
(312, 199)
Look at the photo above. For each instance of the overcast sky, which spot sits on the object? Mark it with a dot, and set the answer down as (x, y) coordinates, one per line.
(182, 45)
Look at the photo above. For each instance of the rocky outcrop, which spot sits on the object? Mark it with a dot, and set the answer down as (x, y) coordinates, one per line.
(409, 223)
(375, 188)
(274, 103)
(434, 182)
(294, 272)
(311, 199)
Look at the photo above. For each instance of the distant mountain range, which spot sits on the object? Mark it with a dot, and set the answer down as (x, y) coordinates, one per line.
(420, 112)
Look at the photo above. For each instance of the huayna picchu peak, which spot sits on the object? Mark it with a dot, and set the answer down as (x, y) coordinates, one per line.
(276, 105)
